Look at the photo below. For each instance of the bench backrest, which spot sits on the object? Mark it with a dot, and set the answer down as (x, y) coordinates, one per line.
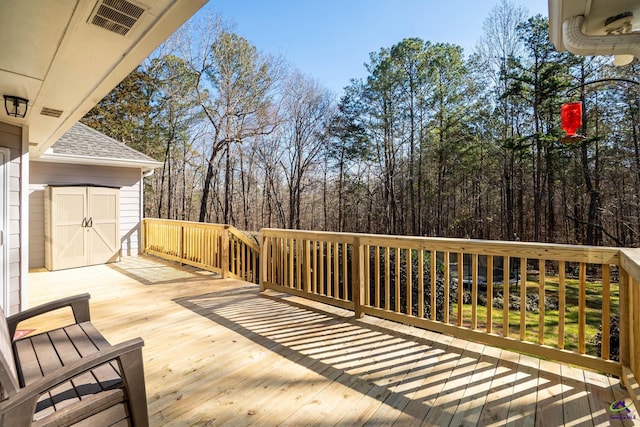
(8, 372)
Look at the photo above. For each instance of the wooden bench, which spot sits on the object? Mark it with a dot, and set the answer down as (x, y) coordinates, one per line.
(69, 375)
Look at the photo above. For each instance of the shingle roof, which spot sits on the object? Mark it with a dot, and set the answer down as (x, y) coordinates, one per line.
(81, 140)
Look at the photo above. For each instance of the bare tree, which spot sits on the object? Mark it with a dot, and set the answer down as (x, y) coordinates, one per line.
(500, 42)
(306, 112)
(234, 84)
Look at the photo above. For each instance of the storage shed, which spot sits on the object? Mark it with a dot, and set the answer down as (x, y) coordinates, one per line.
(83, 170)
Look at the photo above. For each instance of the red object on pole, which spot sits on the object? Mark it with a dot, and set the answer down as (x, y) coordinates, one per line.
(571, 117)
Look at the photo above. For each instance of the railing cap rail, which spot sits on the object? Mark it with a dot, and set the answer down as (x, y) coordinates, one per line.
(548, 251)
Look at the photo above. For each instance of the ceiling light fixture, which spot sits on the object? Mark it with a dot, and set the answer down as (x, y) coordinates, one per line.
(16, 106)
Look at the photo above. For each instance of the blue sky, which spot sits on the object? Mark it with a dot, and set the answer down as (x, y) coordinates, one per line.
(330, 40)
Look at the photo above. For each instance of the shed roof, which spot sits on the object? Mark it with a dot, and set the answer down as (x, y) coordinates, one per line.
(82, 144)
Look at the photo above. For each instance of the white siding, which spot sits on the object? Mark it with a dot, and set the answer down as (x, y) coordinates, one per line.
(11, 137)
(45, 173)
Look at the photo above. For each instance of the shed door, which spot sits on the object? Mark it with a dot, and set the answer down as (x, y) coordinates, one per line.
(69, 211)
(103, 237)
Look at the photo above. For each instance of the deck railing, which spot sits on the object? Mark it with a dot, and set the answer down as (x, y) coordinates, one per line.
(219, 248)
(552, 301)
(458, 287)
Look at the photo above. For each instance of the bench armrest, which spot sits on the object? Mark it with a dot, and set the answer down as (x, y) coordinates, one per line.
(79, 305)
(21, 406)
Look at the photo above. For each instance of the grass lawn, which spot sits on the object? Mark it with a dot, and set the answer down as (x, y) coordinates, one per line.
(593, 313)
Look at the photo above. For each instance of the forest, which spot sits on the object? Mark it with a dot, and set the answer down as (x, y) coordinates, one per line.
(433, 142)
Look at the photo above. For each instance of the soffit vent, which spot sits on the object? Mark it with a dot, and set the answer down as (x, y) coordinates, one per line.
(51, 112)
(117, 16)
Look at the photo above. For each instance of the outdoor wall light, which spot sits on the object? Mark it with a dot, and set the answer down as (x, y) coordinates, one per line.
(15, 106)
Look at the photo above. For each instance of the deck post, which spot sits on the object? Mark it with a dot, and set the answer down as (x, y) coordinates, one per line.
(262, 259)
(224, 247)
(357, 282)
(181, 252)
(143, 238)
(624, 318)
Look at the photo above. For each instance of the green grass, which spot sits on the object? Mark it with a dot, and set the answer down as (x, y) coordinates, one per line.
(593, 310)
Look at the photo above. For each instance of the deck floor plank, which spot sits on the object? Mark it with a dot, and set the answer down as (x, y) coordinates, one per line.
(217, 352)
(549, 408)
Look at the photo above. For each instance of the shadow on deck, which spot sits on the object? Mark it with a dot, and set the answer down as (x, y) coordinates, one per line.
(398, 374)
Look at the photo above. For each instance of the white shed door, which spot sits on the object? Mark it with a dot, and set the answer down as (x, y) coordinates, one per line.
(69, 247)
(103, 240)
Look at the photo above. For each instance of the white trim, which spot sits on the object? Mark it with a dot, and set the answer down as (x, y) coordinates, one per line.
(145, 165)
(6, 285)
(24, 220)
(141, 213)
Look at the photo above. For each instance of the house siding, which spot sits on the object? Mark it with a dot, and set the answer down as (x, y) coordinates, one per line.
(46, 173)
(11, 138)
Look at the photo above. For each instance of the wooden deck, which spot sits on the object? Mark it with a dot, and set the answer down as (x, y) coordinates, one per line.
(220, 353)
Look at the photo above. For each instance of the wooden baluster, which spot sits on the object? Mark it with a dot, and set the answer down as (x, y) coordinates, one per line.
(562, 300)
(314, 266)
(265, 261)
(397, 281)
(523, 298)
(345, 273)
(541, 293)
(336, 269)
(328, 268)
(633, 324)
(434, 279)
(421, 283)
(489, 279)
(409, 288)
(606, 311)
(474, 291)
(366, 249)
(224, 252)
(321, 266)
(358, 282)
(376, 260)
(446, 287)
(582, 308)
(387, 278)
(307, 266)
(460, 287)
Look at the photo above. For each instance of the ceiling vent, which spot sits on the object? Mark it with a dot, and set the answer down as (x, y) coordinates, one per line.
(117, 16)
(51, 112)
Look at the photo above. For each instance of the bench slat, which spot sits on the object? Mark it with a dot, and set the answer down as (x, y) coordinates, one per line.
(27, 362)
(84, 384)
(94, 335)
(99, 340)
(47, 352)
(84, 337)
(29, 370)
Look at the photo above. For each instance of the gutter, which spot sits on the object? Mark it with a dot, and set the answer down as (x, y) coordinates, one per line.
(145, 165)
(581, 44)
